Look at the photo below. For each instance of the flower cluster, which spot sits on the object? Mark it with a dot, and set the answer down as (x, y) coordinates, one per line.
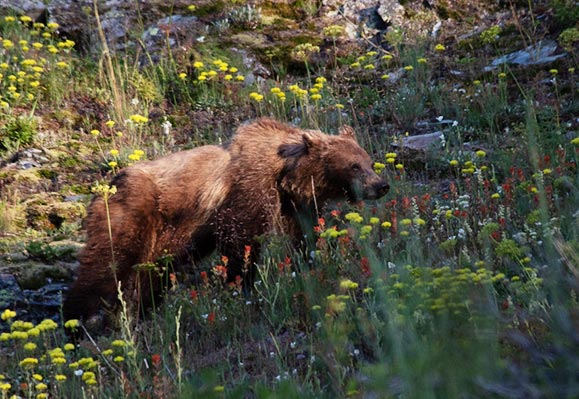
(219, 70)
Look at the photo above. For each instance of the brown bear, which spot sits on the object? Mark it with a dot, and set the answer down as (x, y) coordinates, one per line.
(268, 179)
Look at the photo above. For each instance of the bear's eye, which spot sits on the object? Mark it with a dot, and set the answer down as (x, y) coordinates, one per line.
(356, 167)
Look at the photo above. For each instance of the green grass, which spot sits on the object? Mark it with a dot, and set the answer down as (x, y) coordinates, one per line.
(462, 285)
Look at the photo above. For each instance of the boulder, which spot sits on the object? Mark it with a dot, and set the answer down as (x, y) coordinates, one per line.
(32, 8)
(542, 52)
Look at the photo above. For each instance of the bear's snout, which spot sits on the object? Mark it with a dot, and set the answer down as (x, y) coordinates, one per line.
(382, 188)
(377, 189)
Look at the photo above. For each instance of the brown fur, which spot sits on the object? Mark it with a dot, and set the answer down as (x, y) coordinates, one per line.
(160, 208)
(266, 180)
(285, 175)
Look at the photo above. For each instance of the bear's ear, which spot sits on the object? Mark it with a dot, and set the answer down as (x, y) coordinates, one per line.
(295, 150)
(309, 140)
(348, 132)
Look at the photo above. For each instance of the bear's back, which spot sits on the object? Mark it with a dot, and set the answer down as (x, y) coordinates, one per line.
(196, 179)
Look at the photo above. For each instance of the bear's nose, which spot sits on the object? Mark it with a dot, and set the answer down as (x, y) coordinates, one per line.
(382, 188)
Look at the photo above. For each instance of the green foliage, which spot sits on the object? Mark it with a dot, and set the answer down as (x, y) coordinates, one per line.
(18, 131)
(509, 249)
(491, 35)
(42, 251)
(568, 38)
(566, 13)
(245, 17)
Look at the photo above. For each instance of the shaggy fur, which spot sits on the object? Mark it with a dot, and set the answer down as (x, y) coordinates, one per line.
(161, 207)
(267, 180)
(287, 175)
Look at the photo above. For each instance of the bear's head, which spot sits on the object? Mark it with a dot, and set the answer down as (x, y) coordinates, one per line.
(330, 167)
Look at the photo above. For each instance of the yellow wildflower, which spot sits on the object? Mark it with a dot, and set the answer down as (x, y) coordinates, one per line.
(8, 314)
(354, 217)
(348, 285)
(72, 324)
(28, 362)
(29, 346)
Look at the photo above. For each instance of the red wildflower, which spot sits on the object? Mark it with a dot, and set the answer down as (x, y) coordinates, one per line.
(220, 271)
(246, 254)
(193, 295)
(211, 317)
(156, 360)
(365, 265)
(285, 265)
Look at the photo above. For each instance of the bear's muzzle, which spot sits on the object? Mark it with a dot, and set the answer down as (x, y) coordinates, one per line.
(377, 190)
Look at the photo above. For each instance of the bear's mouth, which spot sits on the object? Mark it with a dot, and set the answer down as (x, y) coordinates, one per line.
(358, 192)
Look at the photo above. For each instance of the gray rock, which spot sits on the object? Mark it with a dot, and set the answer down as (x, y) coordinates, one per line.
(390, 11)
(13, 257)
(421, 142)
(32, 8)
(540, 53)
(365, 18)
(74, 20)
(171, 30)
(47, 297)
(28, 164)
(10, 292)
(250, 62)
